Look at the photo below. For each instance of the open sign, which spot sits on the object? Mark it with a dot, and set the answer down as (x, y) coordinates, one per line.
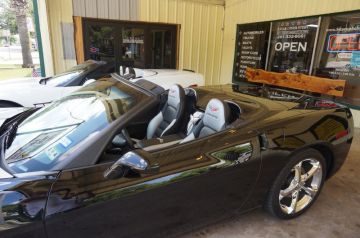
(343, 42)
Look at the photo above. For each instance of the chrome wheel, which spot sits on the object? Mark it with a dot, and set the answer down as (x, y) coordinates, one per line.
(301, 186)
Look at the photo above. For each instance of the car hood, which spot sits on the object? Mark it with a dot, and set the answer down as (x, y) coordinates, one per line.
(19, 82)
(6, 113)
(144, 72)
(167, 77)
(165, 72)
(150, 73)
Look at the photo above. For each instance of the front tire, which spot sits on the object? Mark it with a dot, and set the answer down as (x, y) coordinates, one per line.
(298, 185)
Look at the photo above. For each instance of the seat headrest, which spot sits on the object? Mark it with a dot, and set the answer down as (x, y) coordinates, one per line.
(176, 95)
(216, 114)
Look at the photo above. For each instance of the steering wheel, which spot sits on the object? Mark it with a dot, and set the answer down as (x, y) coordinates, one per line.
(127, 137)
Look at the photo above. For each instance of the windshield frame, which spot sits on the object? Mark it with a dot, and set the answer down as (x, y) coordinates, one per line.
(89, 66)
(3, 165)
(74, 159)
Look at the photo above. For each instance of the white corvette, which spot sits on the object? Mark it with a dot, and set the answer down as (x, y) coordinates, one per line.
(30, 92)
(6, 113)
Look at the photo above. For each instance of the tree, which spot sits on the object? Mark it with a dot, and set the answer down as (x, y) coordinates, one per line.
(8, 21)
(20, 8)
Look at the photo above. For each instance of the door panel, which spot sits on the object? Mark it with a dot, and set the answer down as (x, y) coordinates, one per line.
(133, 47)
(198, 182)
(22, 206)
(100, 43)
(163, 48)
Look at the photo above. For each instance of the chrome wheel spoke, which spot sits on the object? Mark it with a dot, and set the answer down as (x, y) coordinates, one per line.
(314, 169)
(287, 192)
(297, 169)
(294, 201)
(310, 191)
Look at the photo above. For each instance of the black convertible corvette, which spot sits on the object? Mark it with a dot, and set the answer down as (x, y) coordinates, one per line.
(122, 159)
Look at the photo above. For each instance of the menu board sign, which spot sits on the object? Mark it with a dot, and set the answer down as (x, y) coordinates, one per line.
(292, 45)
(251, 46)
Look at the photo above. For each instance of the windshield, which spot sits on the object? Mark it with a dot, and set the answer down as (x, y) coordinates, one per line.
(69, 75)
(49, 133)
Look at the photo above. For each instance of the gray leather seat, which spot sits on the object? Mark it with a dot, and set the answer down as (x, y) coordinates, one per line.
(215, 119)
(169, 119)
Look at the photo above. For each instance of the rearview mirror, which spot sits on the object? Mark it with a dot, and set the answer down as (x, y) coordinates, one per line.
(130, 161)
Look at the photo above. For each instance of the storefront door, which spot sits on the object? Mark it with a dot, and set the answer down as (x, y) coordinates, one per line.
(128, 44)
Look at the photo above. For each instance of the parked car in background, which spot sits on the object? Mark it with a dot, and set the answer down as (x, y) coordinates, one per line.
(7, 113)
(30, 92)
(130, 159)
(166, 77)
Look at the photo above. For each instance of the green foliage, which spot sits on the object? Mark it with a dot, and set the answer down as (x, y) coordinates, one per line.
(12, 40)
(8, 21)
(8, 15)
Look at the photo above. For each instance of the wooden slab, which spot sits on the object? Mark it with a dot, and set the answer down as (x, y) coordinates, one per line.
(79, 40)
(297, 81)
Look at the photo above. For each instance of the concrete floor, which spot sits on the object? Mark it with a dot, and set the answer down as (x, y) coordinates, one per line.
(336, 213)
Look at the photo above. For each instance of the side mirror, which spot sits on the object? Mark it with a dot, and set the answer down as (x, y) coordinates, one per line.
(130, 161)
(89, 81)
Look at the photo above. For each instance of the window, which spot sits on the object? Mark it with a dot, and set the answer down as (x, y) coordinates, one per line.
(292, 45)
(339, 53)
(131, 44)
(251, 46)
(324, 46)
(132, 47)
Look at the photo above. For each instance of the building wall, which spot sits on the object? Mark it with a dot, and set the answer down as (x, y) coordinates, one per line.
(107, 9)
(201, 34)
(45, 37)
(207, 36)
(60, 13)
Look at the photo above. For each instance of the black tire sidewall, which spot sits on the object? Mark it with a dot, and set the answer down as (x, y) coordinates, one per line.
(272, 205)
